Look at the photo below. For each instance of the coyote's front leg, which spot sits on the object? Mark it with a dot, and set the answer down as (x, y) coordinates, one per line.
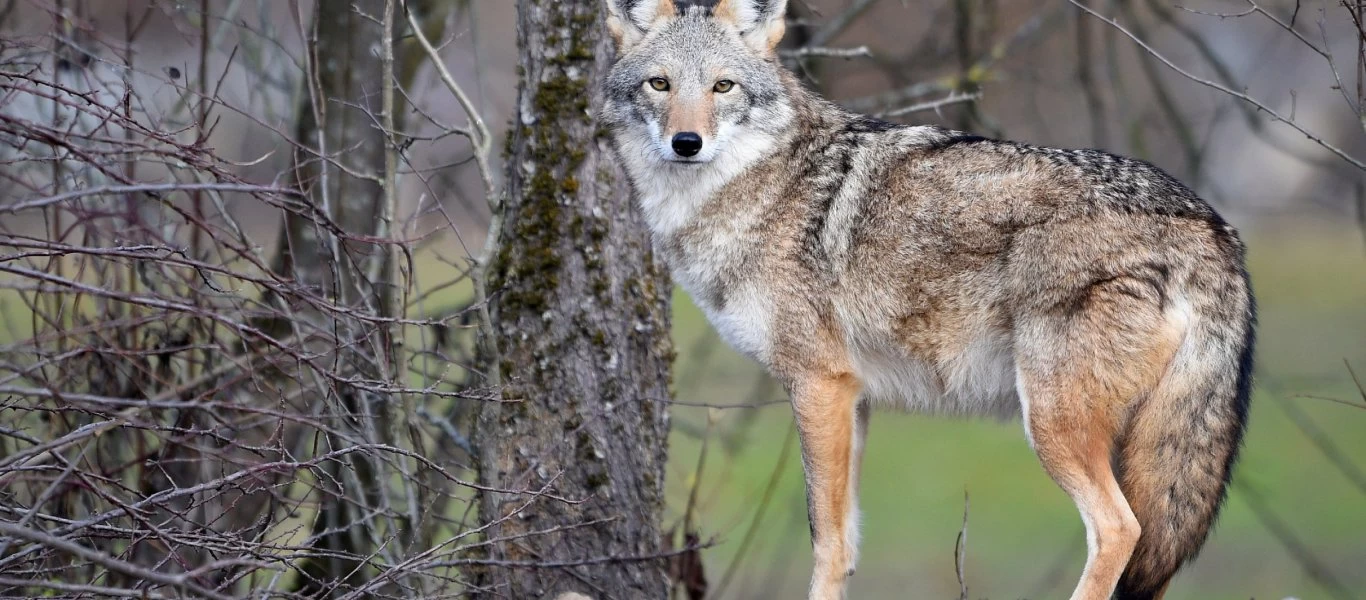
(826, 411)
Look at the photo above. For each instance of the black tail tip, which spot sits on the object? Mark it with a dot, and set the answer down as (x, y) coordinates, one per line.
(1131, 591)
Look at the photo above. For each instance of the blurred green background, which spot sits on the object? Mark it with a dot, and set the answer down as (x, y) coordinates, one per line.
(1025, 539)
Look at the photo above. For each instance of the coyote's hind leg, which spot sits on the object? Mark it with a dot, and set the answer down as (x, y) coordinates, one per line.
(1080, 374)
(1075, 448)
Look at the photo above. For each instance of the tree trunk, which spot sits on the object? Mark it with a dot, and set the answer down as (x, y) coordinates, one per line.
(581, 316)
(330, 250)
(335, 124)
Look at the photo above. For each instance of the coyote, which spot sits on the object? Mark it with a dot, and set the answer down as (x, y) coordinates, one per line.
(867, 263)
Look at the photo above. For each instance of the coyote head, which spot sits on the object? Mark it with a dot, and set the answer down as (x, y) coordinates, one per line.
(695, 85)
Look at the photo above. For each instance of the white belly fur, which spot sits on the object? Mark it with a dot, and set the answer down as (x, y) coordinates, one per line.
(979, 380)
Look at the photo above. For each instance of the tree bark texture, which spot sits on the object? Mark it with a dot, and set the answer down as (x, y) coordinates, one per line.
(581, 316)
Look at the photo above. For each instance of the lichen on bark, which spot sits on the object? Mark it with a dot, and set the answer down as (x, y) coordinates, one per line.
(581, 317)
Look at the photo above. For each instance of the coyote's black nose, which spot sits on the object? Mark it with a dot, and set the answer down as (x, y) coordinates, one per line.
(687, 143)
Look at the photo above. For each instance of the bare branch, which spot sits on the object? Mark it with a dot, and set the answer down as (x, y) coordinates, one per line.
(1215, 86)
(960, 552)
(810, 51)
(935, 105)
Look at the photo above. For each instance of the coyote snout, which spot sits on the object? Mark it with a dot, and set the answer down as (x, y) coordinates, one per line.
(687, 144)
(865, 262)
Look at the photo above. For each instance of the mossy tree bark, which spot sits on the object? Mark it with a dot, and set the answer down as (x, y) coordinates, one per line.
(581, 316)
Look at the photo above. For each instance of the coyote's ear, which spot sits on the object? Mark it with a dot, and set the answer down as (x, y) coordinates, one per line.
(629, 20)
(761, 22)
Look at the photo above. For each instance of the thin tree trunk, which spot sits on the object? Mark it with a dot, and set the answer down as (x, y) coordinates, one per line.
(335, 124)
(580, 309)
(343, 163)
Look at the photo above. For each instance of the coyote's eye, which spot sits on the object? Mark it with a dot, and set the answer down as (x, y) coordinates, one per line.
(723, 86)
(659, 84)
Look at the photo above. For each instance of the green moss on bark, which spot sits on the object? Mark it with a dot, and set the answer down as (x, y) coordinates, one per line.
(581, 328)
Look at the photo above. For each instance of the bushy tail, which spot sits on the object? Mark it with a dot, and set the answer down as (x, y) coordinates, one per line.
(1179, 449)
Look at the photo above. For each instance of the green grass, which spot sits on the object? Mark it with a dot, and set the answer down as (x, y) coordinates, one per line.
(1025, 538)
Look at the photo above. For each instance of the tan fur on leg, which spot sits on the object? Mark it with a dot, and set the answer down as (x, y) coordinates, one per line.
(1076, 452)
(825, 408)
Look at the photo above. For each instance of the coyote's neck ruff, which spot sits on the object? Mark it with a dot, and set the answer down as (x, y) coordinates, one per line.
(865, 262)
